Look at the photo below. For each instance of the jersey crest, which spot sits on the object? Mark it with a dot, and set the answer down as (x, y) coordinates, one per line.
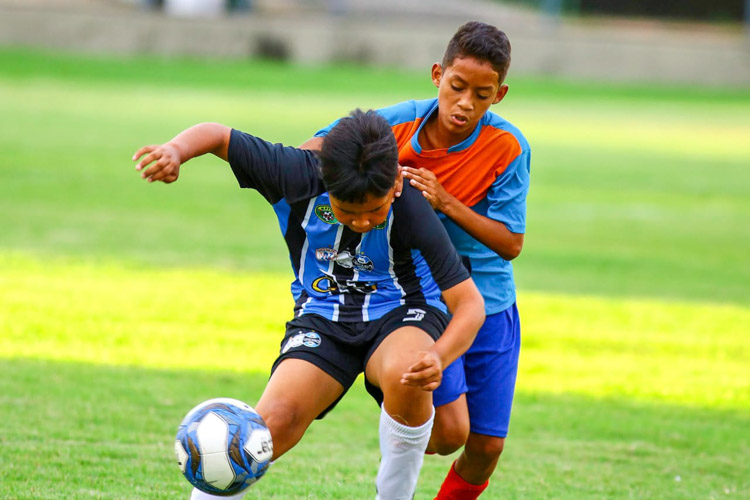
(325, 214)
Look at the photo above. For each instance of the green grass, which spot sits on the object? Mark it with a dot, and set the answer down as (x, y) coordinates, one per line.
(123, 304)
(98, 374)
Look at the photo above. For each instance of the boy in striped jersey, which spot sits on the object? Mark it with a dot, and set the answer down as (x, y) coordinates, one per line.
(369, 268)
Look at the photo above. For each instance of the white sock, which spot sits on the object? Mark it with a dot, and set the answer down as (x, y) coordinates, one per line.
(402, 449)
(199, 495)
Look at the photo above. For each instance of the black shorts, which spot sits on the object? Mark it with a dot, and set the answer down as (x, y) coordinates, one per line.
(342, 349)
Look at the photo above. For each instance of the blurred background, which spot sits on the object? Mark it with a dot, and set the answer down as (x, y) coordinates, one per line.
(688, 42)
(123, 304)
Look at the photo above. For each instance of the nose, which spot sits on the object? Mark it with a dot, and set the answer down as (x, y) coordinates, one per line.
(465, 101)
(360, 223)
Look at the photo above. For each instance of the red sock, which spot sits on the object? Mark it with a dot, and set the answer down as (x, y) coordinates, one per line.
(456, 488)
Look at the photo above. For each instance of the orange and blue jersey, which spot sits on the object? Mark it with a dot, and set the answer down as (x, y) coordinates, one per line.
(488, 171)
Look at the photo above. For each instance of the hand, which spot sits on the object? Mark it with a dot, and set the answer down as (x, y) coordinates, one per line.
(427, 182)
(165, 163)
(426, 373)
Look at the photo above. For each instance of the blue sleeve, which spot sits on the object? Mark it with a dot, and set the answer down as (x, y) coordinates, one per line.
(507, 195)
(421, 228)
(324, 131)
(402, 112)
(274, 170)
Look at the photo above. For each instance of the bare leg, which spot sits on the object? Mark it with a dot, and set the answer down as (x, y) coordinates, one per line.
(297, 392)
(451, 429)
(479, 458)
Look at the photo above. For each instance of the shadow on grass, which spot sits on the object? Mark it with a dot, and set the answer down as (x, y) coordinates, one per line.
(73, 430)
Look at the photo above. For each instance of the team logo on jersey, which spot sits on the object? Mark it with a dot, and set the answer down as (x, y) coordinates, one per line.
(345, 259)
(325, 214)
(307, 339)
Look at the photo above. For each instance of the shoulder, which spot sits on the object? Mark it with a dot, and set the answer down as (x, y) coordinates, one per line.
(412, 213)
(275, 170)
(407, 111)
(504, 130)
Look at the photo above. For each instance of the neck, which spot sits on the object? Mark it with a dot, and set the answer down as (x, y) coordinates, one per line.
(433, 137)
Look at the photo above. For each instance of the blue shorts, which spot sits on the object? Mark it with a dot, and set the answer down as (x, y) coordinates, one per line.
(487, 374)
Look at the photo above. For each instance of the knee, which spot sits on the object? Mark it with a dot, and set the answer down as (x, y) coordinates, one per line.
(408, 405)
(485, 448)
(446, 441)
(283, 420)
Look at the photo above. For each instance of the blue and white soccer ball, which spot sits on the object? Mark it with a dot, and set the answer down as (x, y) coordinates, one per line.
(223, 446)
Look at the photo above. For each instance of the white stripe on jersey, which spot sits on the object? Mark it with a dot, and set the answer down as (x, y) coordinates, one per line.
(366, 304)
(302, 308)
(303, 257)
(336, 244)
(390, 261)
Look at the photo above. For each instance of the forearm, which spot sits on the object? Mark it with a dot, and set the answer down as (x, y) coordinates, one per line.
(314, 144)
(491, 233)
(467, 309)
(201, 139)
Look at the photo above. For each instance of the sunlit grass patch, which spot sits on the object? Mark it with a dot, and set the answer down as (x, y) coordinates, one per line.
(110, 314)
(105, 313)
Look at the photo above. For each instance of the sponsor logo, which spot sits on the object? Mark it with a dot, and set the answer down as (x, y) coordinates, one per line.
(414, 315)
(307, 339)
(345, 259)
(329, 284)
(325, 214)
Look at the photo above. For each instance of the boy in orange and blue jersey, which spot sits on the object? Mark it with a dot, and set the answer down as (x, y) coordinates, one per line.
(473, 168)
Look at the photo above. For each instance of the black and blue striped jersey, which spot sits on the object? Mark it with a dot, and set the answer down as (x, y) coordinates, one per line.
(340, 274)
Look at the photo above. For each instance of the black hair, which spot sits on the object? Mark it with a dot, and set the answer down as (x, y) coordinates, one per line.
(359, 157)
(482, 41)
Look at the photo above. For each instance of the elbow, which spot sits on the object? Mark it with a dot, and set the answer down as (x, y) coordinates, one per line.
(513, 252)
(512, 249)
(479, 315)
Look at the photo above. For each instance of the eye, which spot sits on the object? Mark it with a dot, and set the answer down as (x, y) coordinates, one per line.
(483, 97)
(457, 89)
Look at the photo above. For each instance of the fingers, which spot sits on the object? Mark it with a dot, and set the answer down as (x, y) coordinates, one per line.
(418, 173)
(157, 164)
(426, 373)
(142, 151)
(422, 179)
(428, 380)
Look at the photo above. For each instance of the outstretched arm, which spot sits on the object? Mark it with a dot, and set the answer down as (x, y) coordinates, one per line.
(467, 307)
(162, 162)
(491, 233)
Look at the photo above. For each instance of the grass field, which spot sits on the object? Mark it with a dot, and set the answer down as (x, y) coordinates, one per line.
(123, 304)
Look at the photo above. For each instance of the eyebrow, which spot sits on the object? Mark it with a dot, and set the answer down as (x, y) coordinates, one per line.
(461, 80)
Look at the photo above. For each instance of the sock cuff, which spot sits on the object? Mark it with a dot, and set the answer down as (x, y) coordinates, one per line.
(404, 431)
(465, 485)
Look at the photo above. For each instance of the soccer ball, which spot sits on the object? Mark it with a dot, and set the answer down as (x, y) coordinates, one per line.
(223, 446)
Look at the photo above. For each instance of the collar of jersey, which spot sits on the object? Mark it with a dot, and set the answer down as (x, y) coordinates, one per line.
(465, 144)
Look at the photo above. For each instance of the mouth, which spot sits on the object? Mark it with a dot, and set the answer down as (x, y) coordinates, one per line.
(459, 120)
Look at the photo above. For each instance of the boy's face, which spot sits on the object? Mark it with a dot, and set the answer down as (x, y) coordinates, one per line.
(362, 217)
(466, 90)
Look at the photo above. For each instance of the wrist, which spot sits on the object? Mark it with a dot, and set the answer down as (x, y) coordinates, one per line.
(449, 205)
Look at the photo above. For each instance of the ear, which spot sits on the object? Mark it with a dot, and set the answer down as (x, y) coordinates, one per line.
(501, 91)
(437, 74)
